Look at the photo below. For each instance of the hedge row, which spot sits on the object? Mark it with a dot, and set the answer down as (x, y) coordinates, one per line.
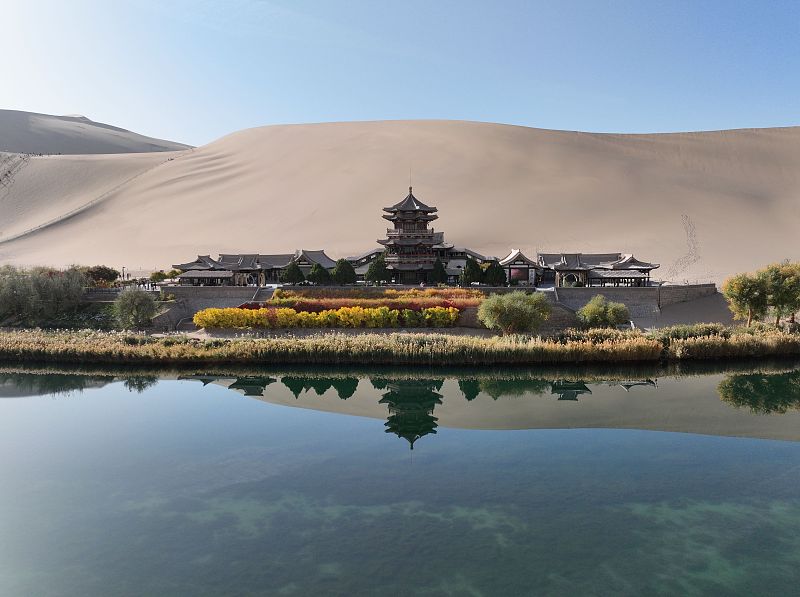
(316, 305)
(344, 317)
(373, 292)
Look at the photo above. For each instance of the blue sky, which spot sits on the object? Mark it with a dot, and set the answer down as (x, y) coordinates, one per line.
(193, 71)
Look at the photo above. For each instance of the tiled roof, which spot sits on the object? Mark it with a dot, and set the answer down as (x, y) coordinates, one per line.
(207, 274)
(515, 256)
(316, 257)
(203, 262)
(410, 203)
(275, 261)
(588, 261)
(367, 254)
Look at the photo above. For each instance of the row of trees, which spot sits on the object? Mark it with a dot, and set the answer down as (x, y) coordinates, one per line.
(492, 275)
(343, 273)
(774, 289)
(377, 272)
(40, 294)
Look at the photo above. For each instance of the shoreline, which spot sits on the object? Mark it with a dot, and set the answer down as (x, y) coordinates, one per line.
(433, 350)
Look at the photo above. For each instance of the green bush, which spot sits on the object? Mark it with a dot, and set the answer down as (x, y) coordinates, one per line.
(602, 313)
(495, 275)
(438, 274)
(134, 309)
(594, 336)
(101, 275)
(319, 275)
(682, 332)
(377, 271)
(344, 273)
(472, 272)
(292, 274)
(515, 312)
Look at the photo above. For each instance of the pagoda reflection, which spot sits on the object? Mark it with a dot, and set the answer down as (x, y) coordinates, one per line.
(411, 404)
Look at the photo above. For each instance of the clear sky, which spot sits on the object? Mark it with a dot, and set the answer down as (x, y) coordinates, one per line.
(194, 70)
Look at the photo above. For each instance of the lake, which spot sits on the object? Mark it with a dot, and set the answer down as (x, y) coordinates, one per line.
(401, 482)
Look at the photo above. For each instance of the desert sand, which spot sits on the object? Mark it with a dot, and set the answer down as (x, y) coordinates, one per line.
(704, 205)
(30, 132)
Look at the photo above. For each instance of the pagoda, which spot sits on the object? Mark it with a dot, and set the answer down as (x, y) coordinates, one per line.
(411, 247)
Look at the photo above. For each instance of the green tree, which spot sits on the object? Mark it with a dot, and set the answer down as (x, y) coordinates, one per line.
(40, 295)
(472, 272)
(101, 275)
(515, 312)
(748, 296)
(495, 275)
(783, 288)
(377, 271)
(173, 273)
(599, 312)
(344, 273)
(134, 308)
(292, 274)
(158, 276)
(319, 275)
(438, 274)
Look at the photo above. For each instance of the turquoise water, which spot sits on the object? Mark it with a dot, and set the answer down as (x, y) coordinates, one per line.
(305, 483)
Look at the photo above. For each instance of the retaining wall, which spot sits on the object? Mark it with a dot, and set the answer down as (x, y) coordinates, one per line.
(240, 293)
(640, 301)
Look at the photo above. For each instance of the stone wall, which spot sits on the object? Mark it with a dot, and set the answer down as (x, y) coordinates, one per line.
(241, 293)
(191, 299)
(671, 295)
(641, 302)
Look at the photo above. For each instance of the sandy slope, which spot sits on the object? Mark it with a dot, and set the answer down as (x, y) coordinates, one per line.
(29, 132)
(274, 189)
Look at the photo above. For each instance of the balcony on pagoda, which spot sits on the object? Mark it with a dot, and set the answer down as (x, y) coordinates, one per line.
(410, 233)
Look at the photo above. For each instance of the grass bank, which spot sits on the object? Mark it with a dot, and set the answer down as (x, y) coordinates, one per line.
(330, 348)
(429, 349)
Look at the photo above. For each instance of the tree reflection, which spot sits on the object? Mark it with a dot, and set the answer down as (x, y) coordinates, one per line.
(345, 386)
(20, 384)
(139, 383)
(762, 393)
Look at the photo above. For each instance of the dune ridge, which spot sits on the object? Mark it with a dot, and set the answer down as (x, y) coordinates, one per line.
(704, 204)
(31, 132)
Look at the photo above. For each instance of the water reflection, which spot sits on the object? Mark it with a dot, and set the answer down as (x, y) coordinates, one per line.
(411, 404)
(414, 407)
(762, 393)
(345, 386)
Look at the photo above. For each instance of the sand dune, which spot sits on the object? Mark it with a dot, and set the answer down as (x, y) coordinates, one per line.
(703, 205)
(29, 132)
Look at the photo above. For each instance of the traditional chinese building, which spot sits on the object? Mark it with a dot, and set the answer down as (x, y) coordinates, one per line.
(411, 246)
(248, 269)
(595, 269)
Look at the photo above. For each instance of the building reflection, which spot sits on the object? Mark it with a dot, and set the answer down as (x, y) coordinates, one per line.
(411, 404)
(569, 390)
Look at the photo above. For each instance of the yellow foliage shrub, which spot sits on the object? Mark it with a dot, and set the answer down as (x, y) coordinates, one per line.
(344, 317)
